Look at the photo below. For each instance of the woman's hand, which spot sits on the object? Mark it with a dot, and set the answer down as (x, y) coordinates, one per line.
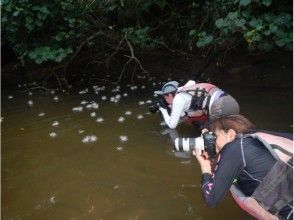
(203, 160)
(204, 130)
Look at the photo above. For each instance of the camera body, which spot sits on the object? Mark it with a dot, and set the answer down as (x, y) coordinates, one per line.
(160, 102)
(206, 142)
(154, 108)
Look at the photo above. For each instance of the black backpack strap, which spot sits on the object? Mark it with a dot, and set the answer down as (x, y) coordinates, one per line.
(198, 98)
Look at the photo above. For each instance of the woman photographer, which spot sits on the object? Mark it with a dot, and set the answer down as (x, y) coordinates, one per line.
(195, 103)
(257, 164)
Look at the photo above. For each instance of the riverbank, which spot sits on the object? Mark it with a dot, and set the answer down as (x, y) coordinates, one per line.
(238, 69)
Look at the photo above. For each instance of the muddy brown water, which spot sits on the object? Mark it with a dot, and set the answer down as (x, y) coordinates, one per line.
(129, 172)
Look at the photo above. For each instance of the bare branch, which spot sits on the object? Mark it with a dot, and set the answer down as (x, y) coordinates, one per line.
(131, 58)
(79, 49)
(115, 52)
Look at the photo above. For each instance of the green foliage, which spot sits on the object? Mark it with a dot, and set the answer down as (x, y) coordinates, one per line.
(45, 31)
(42, 54)
(262, 31)
(203, 39)
(261, 24)
(140, 37)
(52, 30)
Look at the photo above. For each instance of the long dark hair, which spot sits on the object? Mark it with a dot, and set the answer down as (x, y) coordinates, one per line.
(236, 122)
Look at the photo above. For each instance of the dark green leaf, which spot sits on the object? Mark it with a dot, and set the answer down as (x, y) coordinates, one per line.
(244, 2)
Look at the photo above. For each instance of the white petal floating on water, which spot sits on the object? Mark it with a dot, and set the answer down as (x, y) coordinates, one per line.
(92, 105)
(123, 138)
(55, 123)
(41, 114)
(91, 209)
(89, 139)
(52, 200)
(93, 114)
(186, 162)
(115, 99)
(53, 134)
(77, 109)
(148, 101)
(115, 90)
(121, 119)
(141, 103)
(116, 187)
(30, 93)
(143, 87)
(81, 131)
(30, 103)
(99, 120)
(95, 105)
(162, 123)
(84, 102)
(103, 97)
(97, 88)
(56, 99)
(83, 91)
(140, 117)
(119, 148)
(134, 87)
(10, 97)
(128, 113)
(125, 94)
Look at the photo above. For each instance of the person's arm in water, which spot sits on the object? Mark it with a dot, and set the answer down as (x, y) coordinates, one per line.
(172, 120)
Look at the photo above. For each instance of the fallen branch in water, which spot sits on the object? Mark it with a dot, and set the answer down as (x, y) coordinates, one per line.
(36, 88)
(101, 80)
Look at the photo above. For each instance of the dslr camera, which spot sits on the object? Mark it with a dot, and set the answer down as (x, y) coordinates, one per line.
(160, 102)
(206, 142)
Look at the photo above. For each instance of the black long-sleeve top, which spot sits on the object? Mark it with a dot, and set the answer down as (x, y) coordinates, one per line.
(249, 166)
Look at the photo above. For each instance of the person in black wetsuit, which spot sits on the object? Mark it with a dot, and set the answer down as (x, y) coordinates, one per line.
(243, 159)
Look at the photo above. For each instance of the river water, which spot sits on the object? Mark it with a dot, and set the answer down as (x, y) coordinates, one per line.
(113, 160)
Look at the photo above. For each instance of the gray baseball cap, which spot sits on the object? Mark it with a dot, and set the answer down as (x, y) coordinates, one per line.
(171, 86)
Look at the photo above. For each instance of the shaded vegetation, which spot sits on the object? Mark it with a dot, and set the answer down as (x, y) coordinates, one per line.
(58, 32)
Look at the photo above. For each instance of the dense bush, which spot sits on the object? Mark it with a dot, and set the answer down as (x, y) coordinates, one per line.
(53, 30)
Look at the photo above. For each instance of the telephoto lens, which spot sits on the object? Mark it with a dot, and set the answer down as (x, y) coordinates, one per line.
(206, 142)
(189, 144)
